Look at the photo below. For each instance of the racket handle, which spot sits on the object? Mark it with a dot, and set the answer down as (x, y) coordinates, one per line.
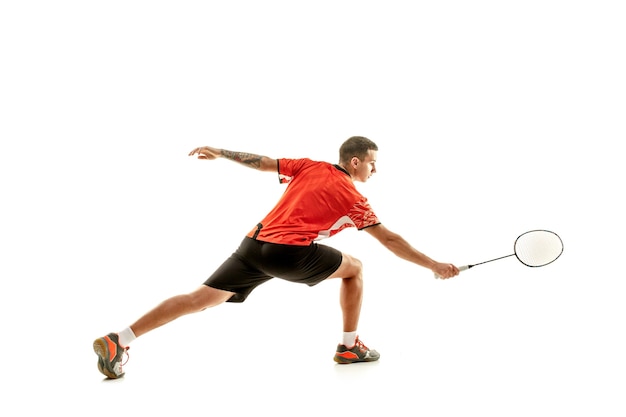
(461, 269)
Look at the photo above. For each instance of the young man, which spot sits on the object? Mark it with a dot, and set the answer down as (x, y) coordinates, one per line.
(320, 200)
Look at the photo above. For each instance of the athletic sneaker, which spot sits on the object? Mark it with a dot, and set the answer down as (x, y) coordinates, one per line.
(110, 354)
(357, 353)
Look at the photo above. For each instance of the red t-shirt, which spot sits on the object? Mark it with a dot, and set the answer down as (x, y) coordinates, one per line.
(320, 201)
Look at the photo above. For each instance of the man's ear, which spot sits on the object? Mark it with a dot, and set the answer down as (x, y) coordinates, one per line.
(354, 161)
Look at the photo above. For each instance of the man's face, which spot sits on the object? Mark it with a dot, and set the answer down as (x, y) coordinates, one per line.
(366, 167)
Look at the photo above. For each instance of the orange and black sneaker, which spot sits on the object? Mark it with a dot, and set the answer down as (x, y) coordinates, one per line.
(357, 353)
(110, 354)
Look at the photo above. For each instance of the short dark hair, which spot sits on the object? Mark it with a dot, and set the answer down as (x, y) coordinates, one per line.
(356, 146)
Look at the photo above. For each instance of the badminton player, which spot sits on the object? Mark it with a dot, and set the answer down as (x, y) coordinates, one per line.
(319, 201)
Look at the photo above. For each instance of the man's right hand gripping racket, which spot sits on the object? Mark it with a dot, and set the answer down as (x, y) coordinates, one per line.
(533, 248)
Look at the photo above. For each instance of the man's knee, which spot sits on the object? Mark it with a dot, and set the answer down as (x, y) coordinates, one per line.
(205, 297)
(350, 267)
(355, 267)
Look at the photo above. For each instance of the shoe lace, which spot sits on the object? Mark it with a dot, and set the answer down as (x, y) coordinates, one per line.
(126, 356)
(360, 345)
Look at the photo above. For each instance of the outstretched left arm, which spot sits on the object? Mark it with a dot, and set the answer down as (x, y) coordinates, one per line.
(401, 248)
(260, 162)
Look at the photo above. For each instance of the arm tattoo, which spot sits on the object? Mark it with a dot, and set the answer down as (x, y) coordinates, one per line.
(248, 159)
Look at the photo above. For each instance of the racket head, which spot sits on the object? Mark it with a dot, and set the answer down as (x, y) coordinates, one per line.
(537, 248)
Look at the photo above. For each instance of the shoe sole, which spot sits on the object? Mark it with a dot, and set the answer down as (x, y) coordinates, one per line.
(99, 346)
(344, 361)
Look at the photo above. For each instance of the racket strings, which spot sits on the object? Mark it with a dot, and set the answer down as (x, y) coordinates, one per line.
(538, 248)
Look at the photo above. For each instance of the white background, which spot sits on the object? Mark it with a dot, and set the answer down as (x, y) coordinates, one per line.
(492, 118)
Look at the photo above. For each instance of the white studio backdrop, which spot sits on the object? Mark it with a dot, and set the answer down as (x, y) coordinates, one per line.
(492, 118)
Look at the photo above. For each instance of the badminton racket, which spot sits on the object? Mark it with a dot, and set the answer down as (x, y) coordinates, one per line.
(533, 248)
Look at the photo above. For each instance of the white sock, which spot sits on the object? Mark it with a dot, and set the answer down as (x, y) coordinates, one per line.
(349, 338)
(126, 336)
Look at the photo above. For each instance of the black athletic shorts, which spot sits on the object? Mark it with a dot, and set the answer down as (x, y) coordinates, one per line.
(256, 262)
